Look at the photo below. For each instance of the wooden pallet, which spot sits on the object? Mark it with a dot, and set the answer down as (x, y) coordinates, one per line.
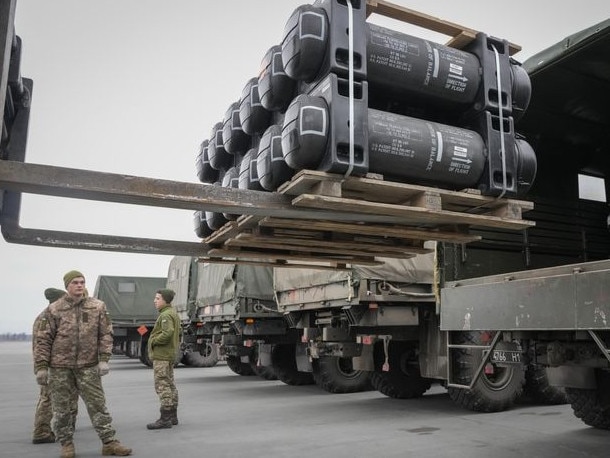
(460, 35)
(424, 213)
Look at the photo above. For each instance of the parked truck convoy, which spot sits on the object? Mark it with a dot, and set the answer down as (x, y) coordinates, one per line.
(419, 281)
(129, 301)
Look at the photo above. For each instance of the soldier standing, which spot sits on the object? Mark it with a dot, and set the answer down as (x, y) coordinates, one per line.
(43, 432)
(162, 348)
(72, 350)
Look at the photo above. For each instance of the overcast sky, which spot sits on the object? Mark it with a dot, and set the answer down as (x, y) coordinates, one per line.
(133, 87)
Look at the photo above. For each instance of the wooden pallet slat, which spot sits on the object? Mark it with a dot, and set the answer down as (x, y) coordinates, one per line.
(457, 235)
(411, 215)
(315, 259)
(353, 248)
(460, 36)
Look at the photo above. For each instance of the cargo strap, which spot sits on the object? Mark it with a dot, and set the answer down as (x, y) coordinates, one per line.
(350, 37)
(501, 117)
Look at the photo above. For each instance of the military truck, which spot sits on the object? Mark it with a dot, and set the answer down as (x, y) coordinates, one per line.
(130, 303)
(475, 338)
(197, 351)
(237, 311)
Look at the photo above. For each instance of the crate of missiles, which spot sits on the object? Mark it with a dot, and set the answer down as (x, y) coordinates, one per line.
(396, 139)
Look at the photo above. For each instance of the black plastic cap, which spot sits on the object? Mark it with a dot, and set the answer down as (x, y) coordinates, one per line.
(270, 164)
(305, 132)
(217, 155)
(275, 88)
(235, 140)
(305, 42)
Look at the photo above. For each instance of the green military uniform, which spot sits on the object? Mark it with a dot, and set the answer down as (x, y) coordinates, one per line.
(163, 344)
(162, 347)
(43, 431)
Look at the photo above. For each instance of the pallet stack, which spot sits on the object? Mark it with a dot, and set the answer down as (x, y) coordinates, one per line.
(377, 122)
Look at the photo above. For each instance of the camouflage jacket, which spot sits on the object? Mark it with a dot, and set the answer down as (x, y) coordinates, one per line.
(35, 327)
(73, 334)
(164, 339)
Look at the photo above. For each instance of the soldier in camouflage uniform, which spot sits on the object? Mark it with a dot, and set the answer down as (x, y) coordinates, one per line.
(163, 344)
(71, 353)
(43, 432)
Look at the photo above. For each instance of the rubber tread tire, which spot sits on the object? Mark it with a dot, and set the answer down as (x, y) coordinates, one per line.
(235, 364)
(483, 397)
(538, 389)
(592, 406)
(403, 380)
(285, 366)
(329, 376)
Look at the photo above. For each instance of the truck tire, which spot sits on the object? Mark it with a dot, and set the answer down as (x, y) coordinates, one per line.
(337, 375)
(265, 372)
(208, 358)
(538, 389)
(235, 364)
(403, 380)
(144, 359)
(592, 406)
(285, 366)
(493, 392)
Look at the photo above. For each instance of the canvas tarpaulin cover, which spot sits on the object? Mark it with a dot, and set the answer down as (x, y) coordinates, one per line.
(220, 283)
(129, 298)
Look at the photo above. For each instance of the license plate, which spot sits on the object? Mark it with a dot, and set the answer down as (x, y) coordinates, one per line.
(505, 357)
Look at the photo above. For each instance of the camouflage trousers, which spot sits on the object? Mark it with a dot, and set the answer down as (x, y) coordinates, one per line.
(164, 383)
(66, 384)
(44, 413)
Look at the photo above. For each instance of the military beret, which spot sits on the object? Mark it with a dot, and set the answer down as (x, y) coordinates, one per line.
(52, 294)
(167, 295)
(71, 276)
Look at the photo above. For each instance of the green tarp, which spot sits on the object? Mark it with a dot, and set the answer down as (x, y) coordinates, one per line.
(129, 298)
(419, 269)
(221, 283)
(182, 278)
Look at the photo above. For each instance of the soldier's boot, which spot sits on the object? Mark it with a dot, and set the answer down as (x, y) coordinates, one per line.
(165, 421)
(67, 450)
(115, 448)
(44, 439)
(174, 415)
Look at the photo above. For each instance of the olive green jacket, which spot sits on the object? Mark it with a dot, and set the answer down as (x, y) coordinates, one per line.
(164, 339)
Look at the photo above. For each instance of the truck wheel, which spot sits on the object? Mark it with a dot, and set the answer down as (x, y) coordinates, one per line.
(144, 359)
(337, 375)
(208, 358)
(235, 364)
(285, 366)
(403, 380)
(593, 406)
(497, 388)
(538, 389)
(265, 372)
(129, 349)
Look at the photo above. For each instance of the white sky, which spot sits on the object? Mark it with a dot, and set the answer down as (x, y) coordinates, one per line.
(133, 87)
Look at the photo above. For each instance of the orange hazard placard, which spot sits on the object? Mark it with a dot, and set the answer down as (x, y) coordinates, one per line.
(142, 330)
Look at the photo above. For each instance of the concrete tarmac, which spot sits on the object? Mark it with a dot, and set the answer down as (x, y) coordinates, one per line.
(224, 415)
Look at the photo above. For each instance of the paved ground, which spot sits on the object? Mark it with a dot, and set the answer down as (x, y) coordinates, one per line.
(226, 415)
